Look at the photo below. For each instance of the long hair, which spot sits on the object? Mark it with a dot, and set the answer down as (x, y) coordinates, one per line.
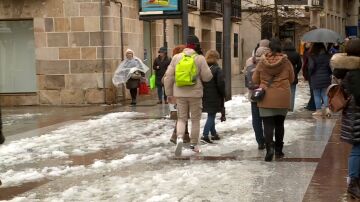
(352, 47)
(288, 45)
(317, 48)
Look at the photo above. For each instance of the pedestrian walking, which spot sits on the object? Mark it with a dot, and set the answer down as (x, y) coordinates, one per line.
(347, 68)
(131, 71)
(186, 138)
(160, 66)
(320, 75)
(214, 96)
(306, 74)
(295, 59)
(257, 122)
(275, 74)
(183, 80)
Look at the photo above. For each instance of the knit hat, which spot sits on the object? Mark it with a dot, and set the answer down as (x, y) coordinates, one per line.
(192, 40)
(163, 50)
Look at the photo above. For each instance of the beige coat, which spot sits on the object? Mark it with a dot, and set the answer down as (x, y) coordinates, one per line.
(195, 91)
(278, 94)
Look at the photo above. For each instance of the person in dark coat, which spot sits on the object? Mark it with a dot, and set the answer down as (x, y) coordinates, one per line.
(2, 138)
(160, 66)
(305, 70)
(347, 67)
(320, 75)
(214, 96)
(295, 59)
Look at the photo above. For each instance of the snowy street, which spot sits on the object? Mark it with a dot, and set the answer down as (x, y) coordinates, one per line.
(126, 155)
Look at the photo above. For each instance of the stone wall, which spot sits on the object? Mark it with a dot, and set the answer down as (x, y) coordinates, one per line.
(68, 48)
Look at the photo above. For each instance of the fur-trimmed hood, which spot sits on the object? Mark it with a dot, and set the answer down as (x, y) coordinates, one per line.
(273, 64)
(343, 61)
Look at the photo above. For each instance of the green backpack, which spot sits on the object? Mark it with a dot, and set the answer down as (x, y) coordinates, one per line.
(186, 71)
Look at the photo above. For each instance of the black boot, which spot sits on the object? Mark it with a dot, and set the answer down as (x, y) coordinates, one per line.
(354, 188)
(2, 138)
(269, 152)
(133, 102)
(278, 150)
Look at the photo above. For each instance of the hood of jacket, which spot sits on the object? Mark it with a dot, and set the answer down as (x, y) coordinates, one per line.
(343, 61)
(273, 64)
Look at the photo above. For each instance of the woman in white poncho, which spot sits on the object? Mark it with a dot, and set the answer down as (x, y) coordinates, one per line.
(131, 71)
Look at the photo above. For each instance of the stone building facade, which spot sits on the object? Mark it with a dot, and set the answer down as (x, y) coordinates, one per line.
(77, 46)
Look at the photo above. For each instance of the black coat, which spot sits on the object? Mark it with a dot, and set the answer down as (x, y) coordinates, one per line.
(160, 67)
(214, 91)
(320, 71)
(295, 60)
(348, 69)
(2, 138)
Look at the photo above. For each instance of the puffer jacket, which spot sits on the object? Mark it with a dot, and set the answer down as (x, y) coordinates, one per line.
(195, 91)
(278, 68)
(295, 60)
(320, 71)
(214, 91)
(347, 68)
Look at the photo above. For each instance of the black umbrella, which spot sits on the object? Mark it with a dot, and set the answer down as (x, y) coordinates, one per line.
(322, 36)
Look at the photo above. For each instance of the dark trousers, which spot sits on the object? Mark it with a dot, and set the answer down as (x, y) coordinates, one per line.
(133, 93)
(311, 104)
(274, 123)
(257, 123)
(161, 92)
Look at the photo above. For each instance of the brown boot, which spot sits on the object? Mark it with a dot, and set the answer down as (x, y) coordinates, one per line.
(354, 188)
(186, 138)
(173, 138)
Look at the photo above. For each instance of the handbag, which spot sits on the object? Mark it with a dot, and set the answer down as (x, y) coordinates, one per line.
(258, 94)
(338, 99)
(143, 89)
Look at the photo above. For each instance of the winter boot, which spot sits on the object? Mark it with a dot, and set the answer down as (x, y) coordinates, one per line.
(2, 138)
(133, 102)
(278, 150)
(354, 188)
(173, 138)
(206, 140)
(269, 152)
(186, 137)
(215, 137)
(261, 146)
(195, 148)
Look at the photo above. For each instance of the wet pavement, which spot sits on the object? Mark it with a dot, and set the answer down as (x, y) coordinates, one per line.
(314, 168)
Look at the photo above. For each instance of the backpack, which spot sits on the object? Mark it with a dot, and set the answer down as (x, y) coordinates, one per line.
(248, 76)
(338, 99)
(186, 71)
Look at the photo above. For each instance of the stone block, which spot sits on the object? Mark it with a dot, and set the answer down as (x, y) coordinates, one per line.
(108, 80)
(88, 53)
(94, 96)
(74, 96)
(92, 24)
(88, 66)
(57, 39)
(95, 38)
(39, 25)
(19, 100)
(69, 53)
(40, 39)
(79, 39)
(49, 97)
(62, 24)
(80, 81)
(77, 24)
(51, 82)
(109, 52)
(49, 24)
(54, 8)
(71, 8)
(109, 23)
(47, 53)
(52, 67)
(89, 9)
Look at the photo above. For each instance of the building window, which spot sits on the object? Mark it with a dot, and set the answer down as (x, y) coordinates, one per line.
(191, 30)
(219, 43)
(177, 34)
(17, 41)
(236, 45)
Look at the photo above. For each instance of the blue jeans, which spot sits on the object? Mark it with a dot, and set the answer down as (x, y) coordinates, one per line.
(161, 91)
(293, 93)
(320, 98)
(257, 123)
(210, 125)
(354, 162)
